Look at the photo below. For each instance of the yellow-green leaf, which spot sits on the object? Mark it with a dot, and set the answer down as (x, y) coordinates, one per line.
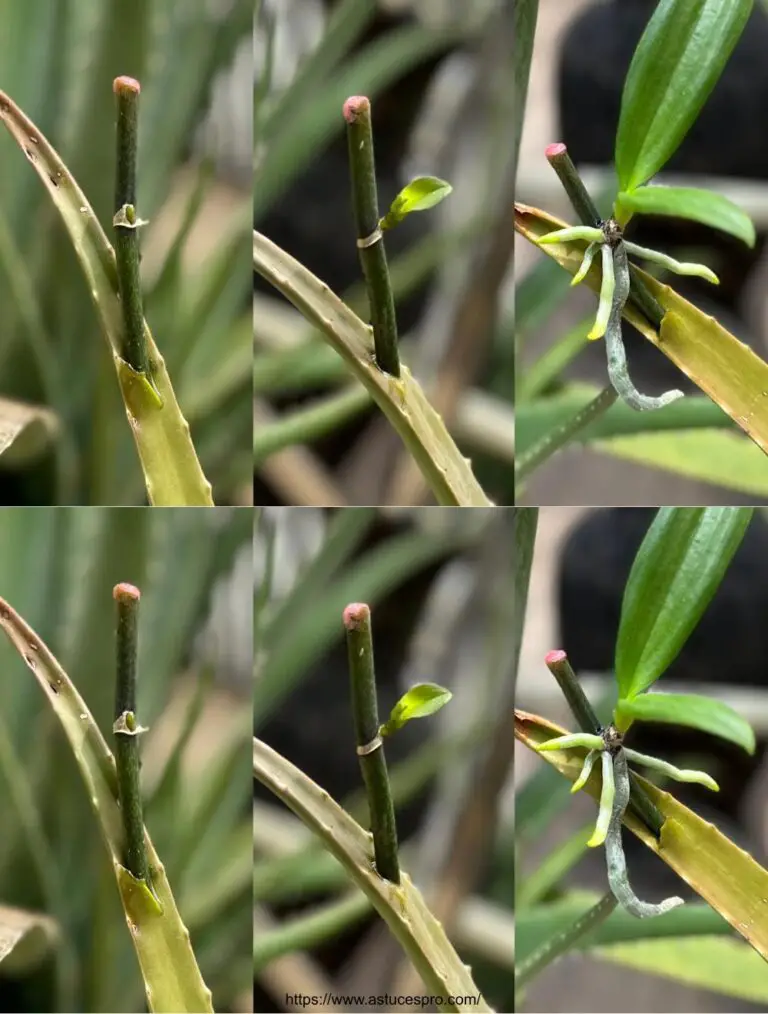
(418, 702)
(418, 195)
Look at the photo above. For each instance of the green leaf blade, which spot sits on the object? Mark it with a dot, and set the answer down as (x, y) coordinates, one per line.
(677, 570)
(693, 710)
(421, 193)
(698, 205)
(418, 702)
(678, 60)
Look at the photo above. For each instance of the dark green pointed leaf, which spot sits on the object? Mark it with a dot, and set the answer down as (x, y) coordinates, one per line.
(689, 202)
(705, 713)
(418, 702)
(675, 574)
(678, 60)
(422, 193)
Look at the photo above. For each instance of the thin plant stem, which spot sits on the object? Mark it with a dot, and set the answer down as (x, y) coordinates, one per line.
(558, 157)
(126, 224)
(564, 941)
(558, 664)
(564, 434)
(127, 730)
(370, 748)
(370, 239)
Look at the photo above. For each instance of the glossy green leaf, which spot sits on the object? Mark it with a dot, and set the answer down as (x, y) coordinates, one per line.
(678, 60)
(704, 206)
(705, 713)
(676, 572)
(418, 702)
(421, 193)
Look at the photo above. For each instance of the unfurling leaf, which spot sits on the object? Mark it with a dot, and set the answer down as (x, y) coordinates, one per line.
(422, 700)
(422, 193)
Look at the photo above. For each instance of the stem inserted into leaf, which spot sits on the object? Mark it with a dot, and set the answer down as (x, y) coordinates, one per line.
(370, 749)
(370, 242)
(126, 224)
(127, 730)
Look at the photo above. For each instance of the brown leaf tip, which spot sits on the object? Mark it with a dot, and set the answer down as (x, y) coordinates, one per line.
(125, 591)
(355, 106)
(126, 84)
(356, 614)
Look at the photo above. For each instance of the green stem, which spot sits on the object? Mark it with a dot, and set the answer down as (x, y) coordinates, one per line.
(127, 731)
(370, 241)
(558, 157)
(558, 664)
(563, 942)
(127, 224)
(563, 434)
(370, 750)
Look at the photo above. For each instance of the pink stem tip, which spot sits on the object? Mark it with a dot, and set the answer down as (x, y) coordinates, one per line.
(355, 614)
(355, 106)
(552, 150)
(554, 656)
(126, 591)
(125, 84)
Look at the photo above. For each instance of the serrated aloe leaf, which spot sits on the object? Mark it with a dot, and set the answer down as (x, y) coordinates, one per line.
(401, 906)
(171, 976)
(447, 472)
(420, 194)
(678, 568)
(171, 470)
(418, 702)
(693, 710)
(676, 64)
(726, 876)
(698, 205)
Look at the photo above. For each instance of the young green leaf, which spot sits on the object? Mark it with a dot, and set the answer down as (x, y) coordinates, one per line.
(690, 202)
(678, 60)
(422, 700)
(705, 713)
(675, 574)
(421, 193)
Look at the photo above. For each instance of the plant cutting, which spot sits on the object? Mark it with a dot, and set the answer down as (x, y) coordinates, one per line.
(677, 62)
(171, 976)
(674, 576)
(372, 861)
